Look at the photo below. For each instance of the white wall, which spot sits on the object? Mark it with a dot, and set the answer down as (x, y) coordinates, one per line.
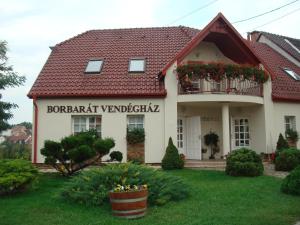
(54, 126)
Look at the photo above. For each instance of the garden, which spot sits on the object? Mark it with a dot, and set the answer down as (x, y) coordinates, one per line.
(240, 195)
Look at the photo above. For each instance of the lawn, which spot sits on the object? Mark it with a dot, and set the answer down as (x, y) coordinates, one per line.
(215, 199)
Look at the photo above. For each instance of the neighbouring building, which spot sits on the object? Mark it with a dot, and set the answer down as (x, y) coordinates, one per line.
(172, 82)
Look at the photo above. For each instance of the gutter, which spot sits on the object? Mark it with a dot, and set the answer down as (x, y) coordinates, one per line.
(36, 110)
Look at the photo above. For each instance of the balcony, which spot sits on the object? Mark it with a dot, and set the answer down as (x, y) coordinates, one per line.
(219, 78)
(225, 86)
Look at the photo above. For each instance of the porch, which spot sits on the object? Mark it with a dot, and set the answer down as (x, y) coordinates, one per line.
(236, 125)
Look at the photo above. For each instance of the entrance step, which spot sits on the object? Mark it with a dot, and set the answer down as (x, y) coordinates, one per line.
(218, 164)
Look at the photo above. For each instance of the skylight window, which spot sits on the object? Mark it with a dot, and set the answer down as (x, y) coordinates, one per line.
(292, 73)
(291, 44)
(94, 66)
(137, 65)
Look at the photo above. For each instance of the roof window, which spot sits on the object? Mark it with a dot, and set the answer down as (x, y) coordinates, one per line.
(291, 44)
(292, 73)
(94, 66)
(137, 65)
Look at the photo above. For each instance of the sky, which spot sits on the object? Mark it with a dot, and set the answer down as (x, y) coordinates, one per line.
(31, 26)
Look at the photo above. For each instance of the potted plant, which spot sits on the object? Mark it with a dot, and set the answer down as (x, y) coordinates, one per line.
(292, 137)
(129, 201)
(211, 139)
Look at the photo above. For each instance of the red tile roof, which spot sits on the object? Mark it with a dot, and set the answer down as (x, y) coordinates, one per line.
(63, 73)
(284, 87)
(279, 40)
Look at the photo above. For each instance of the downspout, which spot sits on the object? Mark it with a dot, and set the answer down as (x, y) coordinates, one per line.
(36, 110)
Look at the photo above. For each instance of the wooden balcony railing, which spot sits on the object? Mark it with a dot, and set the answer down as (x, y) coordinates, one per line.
(225, 86)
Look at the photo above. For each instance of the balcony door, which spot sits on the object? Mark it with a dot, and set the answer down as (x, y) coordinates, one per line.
(240, 133)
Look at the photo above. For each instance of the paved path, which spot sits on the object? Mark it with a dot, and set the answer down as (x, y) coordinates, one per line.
(270, 171)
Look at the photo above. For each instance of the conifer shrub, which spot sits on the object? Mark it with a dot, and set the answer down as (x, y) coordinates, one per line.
(16, 175)
(116, 156)
(91, 187)
(172, 159)
(281, 144)
(287, 159)
(291, 183)
(244, 162)
(76, 152)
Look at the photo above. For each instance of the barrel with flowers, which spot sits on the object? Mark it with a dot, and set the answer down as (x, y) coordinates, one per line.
(129, 201)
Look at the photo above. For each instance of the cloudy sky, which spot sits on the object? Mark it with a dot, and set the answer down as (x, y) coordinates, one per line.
(31, 26)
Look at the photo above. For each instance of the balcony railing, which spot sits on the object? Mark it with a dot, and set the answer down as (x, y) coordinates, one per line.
(225, 86)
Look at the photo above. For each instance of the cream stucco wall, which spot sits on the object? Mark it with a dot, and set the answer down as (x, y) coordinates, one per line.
(209, 52)
(281, 110)
(54, 126)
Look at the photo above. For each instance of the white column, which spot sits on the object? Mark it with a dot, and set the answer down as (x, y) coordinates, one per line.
(226, 129)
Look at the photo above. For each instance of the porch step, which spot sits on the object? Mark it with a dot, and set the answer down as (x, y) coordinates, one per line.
(221, 164)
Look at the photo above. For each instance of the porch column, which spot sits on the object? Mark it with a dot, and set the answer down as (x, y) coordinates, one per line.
(226, 129)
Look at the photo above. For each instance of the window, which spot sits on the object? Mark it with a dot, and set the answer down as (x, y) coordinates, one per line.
(94, 66)
(292, 73)
(135, 122)
(85, 123)
(137, 65)
(179, 133)
(290, 122)
(291, 44)
(241, 132)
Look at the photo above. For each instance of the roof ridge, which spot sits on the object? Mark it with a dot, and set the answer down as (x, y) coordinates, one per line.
(279, 35)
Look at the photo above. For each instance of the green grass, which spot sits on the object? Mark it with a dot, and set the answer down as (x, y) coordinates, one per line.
(215, 199)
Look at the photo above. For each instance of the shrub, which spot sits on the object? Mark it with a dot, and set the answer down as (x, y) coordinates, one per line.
(116, 155)
(291, 184)
(287, 159)
(76, 152)
(10, 150)
(91, 187)
(244, 162)
(16, 175)
(172, 160)
(136, 135)
(211, 139)
(292, 135)
(281, 143)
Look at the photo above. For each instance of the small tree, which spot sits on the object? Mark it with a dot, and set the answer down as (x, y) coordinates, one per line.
(76, 152)
(172, 160)
(281, 143)
(211, 139)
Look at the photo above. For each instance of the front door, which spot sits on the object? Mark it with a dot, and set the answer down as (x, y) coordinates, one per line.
(193, 138)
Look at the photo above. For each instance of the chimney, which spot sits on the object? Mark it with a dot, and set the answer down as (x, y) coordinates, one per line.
(253, 36)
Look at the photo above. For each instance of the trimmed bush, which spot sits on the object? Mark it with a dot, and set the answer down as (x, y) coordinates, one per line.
(76, 152)
(244, 162)
(91, 187)
(291, 184)
(281, 143)
(116, 155)
(136, 135)
(287, 159)
(172, 160)
(16, 175)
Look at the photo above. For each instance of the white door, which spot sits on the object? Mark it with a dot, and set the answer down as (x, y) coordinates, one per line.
(193, 138)
(240, 133)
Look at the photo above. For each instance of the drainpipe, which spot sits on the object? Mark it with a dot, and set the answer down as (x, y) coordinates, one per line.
(36, 110)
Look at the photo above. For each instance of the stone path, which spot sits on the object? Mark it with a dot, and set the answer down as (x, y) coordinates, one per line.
(270, 171)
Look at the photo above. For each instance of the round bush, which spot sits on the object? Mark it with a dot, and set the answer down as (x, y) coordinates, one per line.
(244, 162)
(291, 184)
(16, 175)
(287, 159)
(91, 187)
(116, 155)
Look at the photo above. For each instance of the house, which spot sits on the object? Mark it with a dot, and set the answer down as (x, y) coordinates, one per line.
(174, 82)
(19, 135)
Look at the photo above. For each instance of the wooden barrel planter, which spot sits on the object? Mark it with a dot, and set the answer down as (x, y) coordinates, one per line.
(129, 205)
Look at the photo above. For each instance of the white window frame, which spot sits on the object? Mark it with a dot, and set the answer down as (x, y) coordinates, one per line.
(181, 135)
(239, 132)
(135, 124)
(292, 73)
(291, 123)
(101, 61)
(130, 70)
(87, 123)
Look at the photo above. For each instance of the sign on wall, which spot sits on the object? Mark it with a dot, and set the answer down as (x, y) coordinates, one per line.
(130, 108)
